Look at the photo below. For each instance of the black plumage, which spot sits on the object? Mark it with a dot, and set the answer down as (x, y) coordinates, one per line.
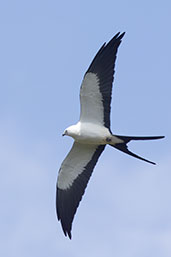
(103, 65)
(96, 92)
(68, 200)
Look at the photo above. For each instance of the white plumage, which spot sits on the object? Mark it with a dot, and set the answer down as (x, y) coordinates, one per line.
(91, 100)
(74, 164)
(90, 134)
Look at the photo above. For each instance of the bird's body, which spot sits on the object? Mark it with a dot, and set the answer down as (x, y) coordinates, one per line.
(91, 134)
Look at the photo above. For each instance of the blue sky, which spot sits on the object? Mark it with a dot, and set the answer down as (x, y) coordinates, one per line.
(45, 48)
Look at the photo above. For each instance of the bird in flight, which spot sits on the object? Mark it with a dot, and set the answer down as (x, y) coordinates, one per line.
(91, 134)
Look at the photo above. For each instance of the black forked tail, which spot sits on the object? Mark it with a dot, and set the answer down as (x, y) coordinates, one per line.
(124, 148)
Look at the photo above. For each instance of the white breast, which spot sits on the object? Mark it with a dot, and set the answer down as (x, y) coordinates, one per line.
(90, 133)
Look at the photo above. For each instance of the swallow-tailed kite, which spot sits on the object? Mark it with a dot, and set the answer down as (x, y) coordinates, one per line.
(91, 134)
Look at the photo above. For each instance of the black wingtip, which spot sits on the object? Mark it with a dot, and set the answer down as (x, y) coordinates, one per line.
(69, 235)
(117, 38)
(119, 34)
(122, 35)
(67, 232)
(66, 226)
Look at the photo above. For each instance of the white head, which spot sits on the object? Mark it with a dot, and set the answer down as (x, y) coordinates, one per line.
(71, 131)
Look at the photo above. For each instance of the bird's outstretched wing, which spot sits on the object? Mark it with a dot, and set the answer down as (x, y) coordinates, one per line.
(96, 88)
(73, 177)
